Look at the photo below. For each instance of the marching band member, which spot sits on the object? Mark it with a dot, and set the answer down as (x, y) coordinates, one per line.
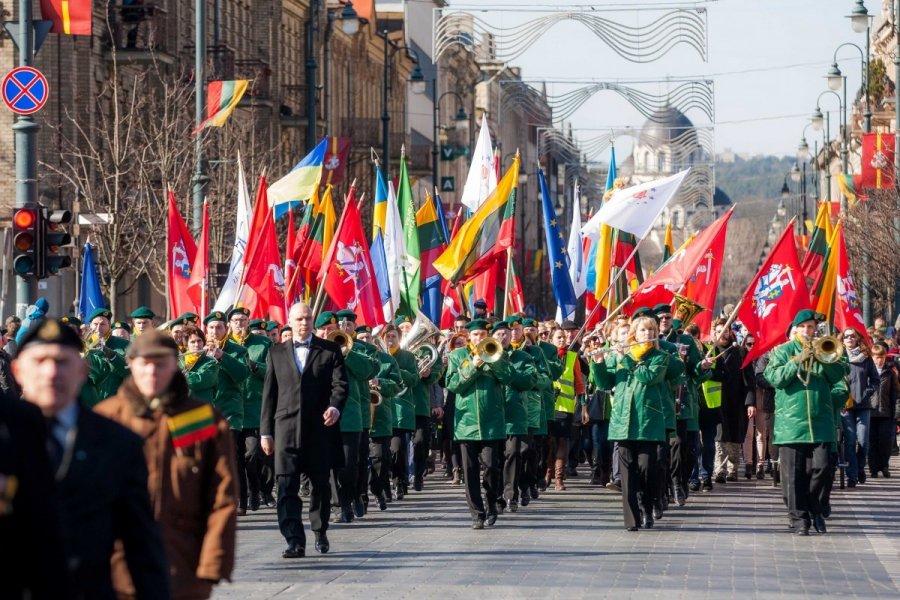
(257, 327)
(554, 368)
(121, 329)
(200, 371)
(638, 417)
(479, 420)
(421, 438)
(449, 447)
(141, 320)
(99, 337)
(807, 398)
(404, 409)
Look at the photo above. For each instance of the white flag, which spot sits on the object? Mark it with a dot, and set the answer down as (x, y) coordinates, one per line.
(229, 294)
(577, 269)
(482, 178)
(394, 250)
(635, 209)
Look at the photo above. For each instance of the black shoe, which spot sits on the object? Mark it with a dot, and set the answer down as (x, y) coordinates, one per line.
(851, 484)
(819, 524)
(417, 484)
(322, 545)
(400, 493)
(748, 472)
(632, 528)
(648, 522)
(477, 523)
(359, 508)
(760, 473)
(803, 529)
(732, 477)
(491, 519)
(873, 474)
(595, 480)
(268, 500)
(346, 515)
(382, 503)
(791, 524)
(500, 507)
(533, 492)
(862, 476)
(294, 551)
(657, 513)
(526, 498)
(680, 500)
(694, 486)
(513, 506)
(707, 485)
(241, 511)
(768, 468)
(253, 504)
(826, 509)
(720, 478)
(886, 473)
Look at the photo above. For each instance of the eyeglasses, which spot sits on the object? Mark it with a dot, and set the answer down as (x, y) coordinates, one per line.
(751, 344)
(849, 336)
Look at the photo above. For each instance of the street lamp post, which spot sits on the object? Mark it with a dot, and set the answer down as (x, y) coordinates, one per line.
(200, 178)
(817, 121)
(460, 118)
(385, 92)
(896, 144)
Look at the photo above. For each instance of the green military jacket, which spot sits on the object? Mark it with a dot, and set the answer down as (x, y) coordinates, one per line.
(537, 416)
(233, 372)
(257, 347)
(107, 369)
(361, 367)
(202, 378)
(675, 377)
(420, 390)
(404, 404)
(555, 366)
(638, 411)
(390, 381)
(479, 413)
(695, 375)
(804, 414)
(523, 379)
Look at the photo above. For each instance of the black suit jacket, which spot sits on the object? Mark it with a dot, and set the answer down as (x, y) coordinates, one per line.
(31, 556)
(292, 406)
(102, 485)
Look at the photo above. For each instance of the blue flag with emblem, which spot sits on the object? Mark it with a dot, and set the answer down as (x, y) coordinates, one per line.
(563, 290)
(90, 297)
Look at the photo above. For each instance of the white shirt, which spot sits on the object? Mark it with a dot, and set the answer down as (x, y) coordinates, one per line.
(301, 353)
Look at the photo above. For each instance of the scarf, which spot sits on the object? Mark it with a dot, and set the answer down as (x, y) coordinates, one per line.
(190, 359)
(238, 338)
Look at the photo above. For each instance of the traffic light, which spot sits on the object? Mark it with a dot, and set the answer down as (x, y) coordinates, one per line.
(26, 240)
(54, 237)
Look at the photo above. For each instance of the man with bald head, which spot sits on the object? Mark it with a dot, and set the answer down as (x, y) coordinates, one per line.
(303, 396)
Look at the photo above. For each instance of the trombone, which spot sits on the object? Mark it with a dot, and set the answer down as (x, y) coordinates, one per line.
(342, 339)
(489, 350)
(826, 349)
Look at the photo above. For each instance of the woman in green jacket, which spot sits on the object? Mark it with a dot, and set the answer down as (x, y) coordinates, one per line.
(635, 373)
(201, 371)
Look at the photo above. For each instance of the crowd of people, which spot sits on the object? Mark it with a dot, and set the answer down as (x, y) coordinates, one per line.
(128, 450)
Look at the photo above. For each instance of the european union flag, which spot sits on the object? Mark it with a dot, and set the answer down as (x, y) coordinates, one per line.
(563, 290)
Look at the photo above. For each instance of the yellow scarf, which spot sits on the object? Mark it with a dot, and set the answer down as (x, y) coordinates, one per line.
(639, 350)
(392, 350)
(238, 339)
(190, 359)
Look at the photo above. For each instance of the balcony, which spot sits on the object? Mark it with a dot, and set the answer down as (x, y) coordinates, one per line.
(139, 34)
(259, 74)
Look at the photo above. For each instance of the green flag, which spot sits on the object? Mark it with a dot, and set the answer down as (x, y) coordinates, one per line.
(410, 281)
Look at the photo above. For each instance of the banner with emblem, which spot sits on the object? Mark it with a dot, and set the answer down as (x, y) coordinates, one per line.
(847, 305)
(877, 164)
(774, 296)
(181, 251)
(336, 156)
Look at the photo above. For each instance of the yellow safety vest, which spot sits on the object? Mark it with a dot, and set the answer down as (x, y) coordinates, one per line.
(712, 393)
(565, 386)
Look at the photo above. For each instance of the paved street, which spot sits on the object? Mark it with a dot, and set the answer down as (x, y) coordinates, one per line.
(572, 545)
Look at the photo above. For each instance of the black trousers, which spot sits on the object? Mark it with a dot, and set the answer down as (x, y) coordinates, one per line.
(421, 446)
(290, 506)
(267, 474)
(344, 480)
(528, 475)
(683, 456)
(241, 474)
(477, 454)
(362, 464)
(399, 458)
(638, 470)
(540, 459)
(663, 477)
(253, 462)
(805, 470)
(881, 437)
(512, 467)
(380, 455)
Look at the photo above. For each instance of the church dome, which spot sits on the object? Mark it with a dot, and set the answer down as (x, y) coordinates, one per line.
(665, 126)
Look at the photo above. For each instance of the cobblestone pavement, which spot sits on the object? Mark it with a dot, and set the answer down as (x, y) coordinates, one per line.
(572, 544)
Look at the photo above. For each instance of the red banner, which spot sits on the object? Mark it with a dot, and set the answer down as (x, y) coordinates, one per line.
(877, 161)
(180, 254)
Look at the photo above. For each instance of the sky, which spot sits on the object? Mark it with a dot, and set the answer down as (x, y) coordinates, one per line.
(767, 59)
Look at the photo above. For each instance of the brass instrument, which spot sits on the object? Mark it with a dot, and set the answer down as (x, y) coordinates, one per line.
(685, 310)
(826, 349)
(375, 400)
(489, 350)
(342, 339)
(416, 341)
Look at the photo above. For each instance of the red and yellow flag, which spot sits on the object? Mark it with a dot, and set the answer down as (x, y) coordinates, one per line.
(70, 17)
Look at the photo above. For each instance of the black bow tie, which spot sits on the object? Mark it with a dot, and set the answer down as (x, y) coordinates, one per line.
(301, 344)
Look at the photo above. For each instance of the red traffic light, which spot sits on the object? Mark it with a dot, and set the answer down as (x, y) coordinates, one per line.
(25, 218)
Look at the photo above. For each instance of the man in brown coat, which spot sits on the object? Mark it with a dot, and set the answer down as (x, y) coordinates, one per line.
(190, 459)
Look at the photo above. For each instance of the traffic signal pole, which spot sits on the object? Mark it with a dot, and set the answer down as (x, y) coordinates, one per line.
(25, 129)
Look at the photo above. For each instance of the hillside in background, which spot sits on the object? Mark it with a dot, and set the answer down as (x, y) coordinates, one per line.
(753, 178)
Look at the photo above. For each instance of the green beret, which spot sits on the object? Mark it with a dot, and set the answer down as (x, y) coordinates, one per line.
(807, 315)
(73, 321)
(346, 315)
(363, 329)
(645, 311)
(238, 310)
(100, 312)
(121, 325)
(500, 325)
(477, 324)
(325, 318)
(216, 315)
(188, 316)
(662, 309)
(528, 322)
(514, 320)
(401, 319)
(271, 326)
(142, 312)
(257, 324)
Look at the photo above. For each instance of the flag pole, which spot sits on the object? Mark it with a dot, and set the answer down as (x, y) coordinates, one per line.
(506, 283)
(329, 254)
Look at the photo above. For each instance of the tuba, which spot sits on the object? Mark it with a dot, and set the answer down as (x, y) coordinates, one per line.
(342, 339)
(416, 341)
(489, 350)
(684, 309)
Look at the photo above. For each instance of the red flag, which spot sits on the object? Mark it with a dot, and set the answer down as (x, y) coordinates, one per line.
(515, 297)
(691, 261)
(180, 254)
(847, 308)
(335, 163)
(452, 305)
(776, 294)
(74, 17)
(877, 164)
(290, 264)
(198, 287)
(349, 277)
(263, 277)
(703, 285)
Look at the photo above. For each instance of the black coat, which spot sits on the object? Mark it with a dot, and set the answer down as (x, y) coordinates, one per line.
(102, 484)
(885, 401)
(738, 392)
(293, 404)
(30, 541)
(764, 389)
(864, 381)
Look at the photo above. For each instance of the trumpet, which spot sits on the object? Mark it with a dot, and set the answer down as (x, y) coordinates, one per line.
(489, 350)
(342, 339)
(826, 350)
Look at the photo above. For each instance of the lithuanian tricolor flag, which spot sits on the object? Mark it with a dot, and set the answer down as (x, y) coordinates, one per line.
(826, 287)
(70, 17)
(222, 98)
(486, 234)
(818, 244)
(192, 426)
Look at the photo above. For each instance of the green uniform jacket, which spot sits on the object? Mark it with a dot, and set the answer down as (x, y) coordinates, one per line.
(479, 411)
(537, 416)
(690, 402)
(108, 369)
(390, 381)
(98, 370)
(257, 347)
(420, 390)
(203, 377)
(638, 400)
(675, 377)
(523, 379)
(233, 372)
(804, 414)
(555, 366)
(361, 367)
(404, 404)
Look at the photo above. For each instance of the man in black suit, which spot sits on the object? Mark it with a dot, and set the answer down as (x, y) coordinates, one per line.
(100, 470)
(303, 396)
